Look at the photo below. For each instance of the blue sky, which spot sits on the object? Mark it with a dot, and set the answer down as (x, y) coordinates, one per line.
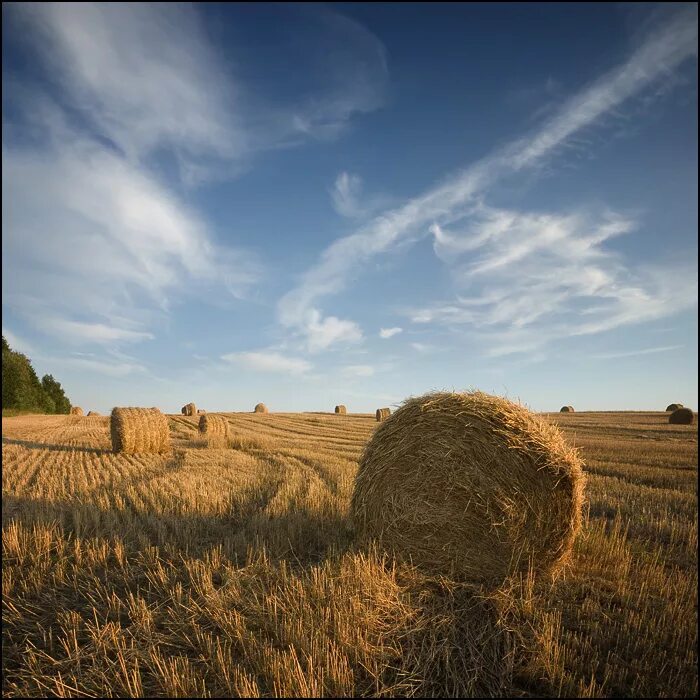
(314, 204)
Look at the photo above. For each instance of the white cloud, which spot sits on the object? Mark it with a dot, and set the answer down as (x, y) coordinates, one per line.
(423, 347)
(346, 193)
(266, 361)
(389, 332)
(322, 333)
(634, 353)
(358, 370)
(653, 61)
(148, 77)
(95, 242)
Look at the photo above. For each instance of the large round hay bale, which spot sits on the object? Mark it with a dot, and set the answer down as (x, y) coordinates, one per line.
(261, 408)
(566, 409)
(189, 409)
(674, 406)
(682, 416)
(76, 411)
(341, 410)
(210, 424)
(382, 414)
(183, 410)
(94, 413)
(139, 430)
(470, 486)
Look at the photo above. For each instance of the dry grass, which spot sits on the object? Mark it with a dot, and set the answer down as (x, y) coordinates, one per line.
(94, 413)
(76, 411)
(231, 572)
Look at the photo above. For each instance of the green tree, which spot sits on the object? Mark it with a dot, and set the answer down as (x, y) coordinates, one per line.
(22, 390)
(54, 391)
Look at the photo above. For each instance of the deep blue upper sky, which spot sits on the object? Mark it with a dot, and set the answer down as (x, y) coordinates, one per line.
(354, 202)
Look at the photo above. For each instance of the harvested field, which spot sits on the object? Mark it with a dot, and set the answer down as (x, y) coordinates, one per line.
(232, 571)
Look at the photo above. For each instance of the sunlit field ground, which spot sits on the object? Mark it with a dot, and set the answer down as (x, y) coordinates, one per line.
(230, 571)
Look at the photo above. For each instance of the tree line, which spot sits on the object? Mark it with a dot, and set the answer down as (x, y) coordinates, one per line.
(22, 390)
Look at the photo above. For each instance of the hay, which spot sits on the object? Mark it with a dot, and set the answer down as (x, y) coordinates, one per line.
(383, 414)
(682, 416)
(183, 410)
(189, 409)
(94, 413)
(139, 430)
(200, 411)
(210, 425)
(341, 410)
(674, 406)
(261, 408)
(566, 409)
(470, 486)
(76, 411)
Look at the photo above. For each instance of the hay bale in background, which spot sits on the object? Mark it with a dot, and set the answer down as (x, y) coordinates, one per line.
(189, 409)
(200, 411)
(211, 425)
(383, 414)
(566, 409)
(341, 410)
(183, 410)
(261, 408)
(139, 430)
(674, 406)
(94, 413)
(469, 486)
(76, 411)
(682, 416)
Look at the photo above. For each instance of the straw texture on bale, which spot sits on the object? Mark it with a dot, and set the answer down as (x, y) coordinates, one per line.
(674, 406)
(76, 411)
(469, 486)
(210, 424)
(566, 409)
(94, 413)
(383, 414)
(682, 416)
(183, 410)
(136, 430)
(341, 410)
(261, 408)
(189, 409)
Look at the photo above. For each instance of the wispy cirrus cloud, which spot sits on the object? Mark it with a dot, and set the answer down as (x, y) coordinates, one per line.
(269, 361)
(98, 241)
(358, 370)
(148, 77)
(653, 61)
(634, 353)
(389, 332)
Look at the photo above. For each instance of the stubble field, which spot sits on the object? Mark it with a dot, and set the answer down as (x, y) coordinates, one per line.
(231, 571)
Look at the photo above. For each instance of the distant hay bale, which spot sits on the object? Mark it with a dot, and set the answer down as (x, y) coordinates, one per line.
(469, 486)
(341, 410)
(211, 425)
(674, 406)
(383, 414)
(76, 411)
(139, 430)
(682, 416)
(189, 409)
(183, 410)
(566, 409)
(200, 411)
(94, 413)
(261, 408)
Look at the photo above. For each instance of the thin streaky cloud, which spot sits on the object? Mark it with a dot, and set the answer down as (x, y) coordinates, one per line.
(634, 353)
(267, 361)
(662, 52)
(389, 332)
